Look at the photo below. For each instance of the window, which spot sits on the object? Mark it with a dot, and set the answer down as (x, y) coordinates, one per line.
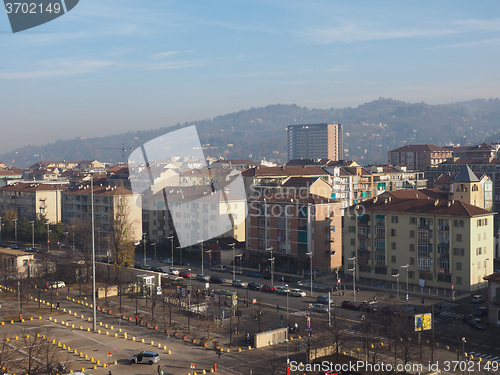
(393, 258)
(458, 251)
(478, 251)
(412, 247)
(412, 234)
(353, 242)
(459, 237)
(412, 261)
(413, 220)
(479, 222)
(393, 232)
(459, 280)
(352, 229)
(393, 245)
(458, 223)
(394, 219)
(459, 266)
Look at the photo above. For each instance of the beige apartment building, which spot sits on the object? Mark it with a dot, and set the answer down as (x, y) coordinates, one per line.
(446, 244)
(419, 157)
(294, 227)
(32, 200)
(109, 202)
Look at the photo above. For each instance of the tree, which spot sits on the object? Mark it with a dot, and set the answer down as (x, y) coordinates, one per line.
(122, 240)
(6, 355)
(337, 331)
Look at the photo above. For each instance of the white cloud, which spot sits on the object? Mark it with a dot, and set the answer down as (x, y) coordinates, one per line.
(161, 55)
(59, 68)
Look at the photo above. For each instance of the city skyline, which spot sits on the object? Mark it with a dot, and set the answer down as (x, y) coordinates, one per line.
(107, 68)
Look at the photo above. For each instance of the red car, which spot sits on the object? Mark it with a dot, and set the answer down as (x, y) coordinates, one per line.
(185, 275)
(351, 305)
(268, 288)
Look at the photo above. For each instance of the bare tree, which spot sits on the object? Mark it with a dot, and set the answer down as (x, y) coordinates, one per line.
(6, 355)
(337, 330)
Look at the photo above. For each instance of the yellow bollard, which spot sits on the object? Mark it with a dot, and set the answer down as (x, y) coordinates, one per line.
(164, 347)
(142, 340)
(104, 365)
(169, 352)
(249, 347)
(239, 350)
(98, 362)
(152, 343)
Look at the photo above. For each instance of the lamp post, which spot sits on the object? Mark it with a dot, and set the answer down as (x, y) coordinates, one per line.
(209, 252)
(397, 285)
(94, 315)
(180, 255)
(406, 266)
(0, 228)
(463, 346)
(272, 264)
(154, 245)
(286, 286)
(15, 229)
(144, 243)
(234, 260)
(32, 233)
(171, 238)
(201, 242)
(353, 269)
(48, 237)
(310, 255)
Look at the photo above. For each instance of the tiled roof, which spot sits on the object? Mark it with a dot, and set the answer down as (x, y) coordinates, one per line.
(445, 178)
(31, 186)
(466, 175)
(301, 181)
(424, 206)
(7, 173)
(100, 190)
(493, 277)
(416, 148)
(417, 194)
(284, 171)
(279, 197)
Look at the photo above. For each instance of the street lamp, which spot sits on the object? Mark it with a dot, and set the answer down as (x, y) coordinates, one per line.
(397, 284)
(234, 260)
(94, 314)
(310, 255)
(171, 238)
(406, 268)
(154, 245)
(144, 243)
(48, 237)
(463, 346)
(272, 265)
(201, 242)
(209, 252)
(286, 286)
(353, 269)
(0, 228)
(180, 255)
(15, 228)
(32, 233)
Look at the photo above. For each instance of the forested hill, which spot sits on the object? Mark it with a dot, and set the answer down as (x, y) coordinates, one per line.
(370, 130)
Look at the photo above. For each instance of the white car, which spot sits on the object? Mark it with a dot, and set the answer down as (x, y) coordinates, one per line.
(282, 289)
(174, 271)
(319, 307)
(297, 293)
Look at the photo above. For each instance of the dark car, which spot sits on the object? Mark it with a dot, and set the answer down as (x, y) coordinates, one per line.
(157, 269)
(185, 275)
(351, 305)
(254, 286)
(474, 322)
(269, 288)
(253, 274)
(216, 280)
(481, 311)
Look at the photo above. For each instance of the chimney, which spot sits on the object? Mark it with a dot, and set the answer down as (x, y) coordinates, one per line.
(436, 202)
(450, 203)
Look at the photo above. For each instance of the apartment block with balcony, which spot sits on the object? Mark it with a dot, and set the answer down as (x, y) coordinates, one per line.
(419, 157)
(32, 200)
(294, 227)
(445, 243)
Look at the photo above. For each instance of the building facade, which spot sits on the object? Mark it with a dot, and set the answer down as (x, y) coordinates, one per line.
(419, 157)
(16, 264)
(446, 244)
(315, 141)
(294, 228)
(493, 298)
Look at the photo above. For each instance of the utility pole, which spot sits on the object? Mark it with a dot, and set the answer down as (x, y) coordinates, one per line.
(397, 285)
(171, 238)
(406, 268)
(310, 255)
(94, 313)
(32, 233)
(353, 269)
(272, 264)
(234, 263)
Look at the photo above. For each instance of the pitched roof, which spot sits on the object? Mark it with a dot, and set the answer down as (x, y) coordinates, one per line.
(301, 181)
(283, 171)
(417, 194)
(466, 175)
(424, 206)
(31, 187)
(493, 277)
(415, 148)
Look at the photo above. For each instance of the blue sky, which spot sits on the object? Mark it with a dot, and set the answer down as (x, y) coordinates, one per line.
(110, 66)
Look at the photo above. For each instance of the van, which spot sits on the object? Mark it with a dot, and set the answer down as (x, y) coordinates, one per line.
(219, 268)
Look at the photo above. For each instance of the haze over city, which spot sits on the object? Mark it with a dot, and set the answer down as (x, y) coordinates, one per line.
(119, 65)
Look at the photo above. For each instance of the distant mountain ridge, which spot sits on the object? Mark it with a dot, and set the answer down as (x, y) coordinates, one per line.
(370, 131)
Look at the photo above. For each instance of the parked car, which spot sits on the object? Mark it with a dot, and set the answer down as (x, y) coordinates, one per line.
(216, 280)
(351, 305)
(478, 299)
(185, 275)
(56, 284)
(480, 311)
(282, 289)
(319, 307)
(297, 293)
(174, 271)
(474, 322)
(370, 306)
(269, 288)
(219, 268)
(201, 277)
(238, 271)
(323, 299)
(253, 274)
(156, 269)
(145, 357)
(167, 260)
(238, 283)
(254, 286)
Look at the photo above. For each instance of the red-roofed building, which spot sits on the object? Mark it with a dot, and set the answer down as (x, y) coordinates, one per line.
(419, 157)
(443, 242)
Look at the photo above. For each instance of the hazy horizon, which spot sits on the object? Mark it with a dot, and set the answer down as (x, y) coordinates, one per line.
(110, 67)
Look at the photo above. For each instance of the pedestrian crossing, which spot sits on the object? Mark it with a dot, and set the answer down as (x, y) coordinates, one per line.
(301, 313)
(486, 357)
(445, 315)
(448, 305)
(359, 333)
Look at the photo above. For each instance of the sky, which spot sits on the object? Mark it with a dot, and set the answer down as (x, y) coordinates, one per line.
(111, 66)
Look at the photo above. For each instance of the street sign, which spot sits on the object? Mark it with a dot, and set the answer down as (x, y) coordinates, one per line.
(116, 347)
(423, 322)
(193, 365)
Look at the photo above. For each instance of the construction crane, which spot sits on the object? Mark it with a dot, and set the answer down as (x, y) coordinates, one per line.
(124, 149)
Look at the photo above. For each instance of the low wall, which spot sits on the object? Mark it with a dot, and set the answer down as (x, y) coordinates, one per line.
(269, 338)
